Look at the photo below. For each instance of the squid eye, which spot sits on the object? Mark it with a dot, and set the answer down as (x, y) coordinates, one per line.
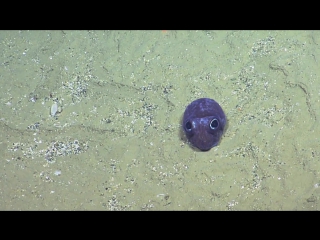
(214, 123)
(188, 126)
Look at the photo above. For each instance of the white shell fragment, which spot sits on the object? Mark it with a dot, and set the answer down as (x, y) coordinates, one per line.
(54, 109)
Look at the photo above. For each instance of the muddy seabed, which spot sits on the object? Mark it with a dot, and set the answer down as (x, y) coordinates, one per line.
(91, 120)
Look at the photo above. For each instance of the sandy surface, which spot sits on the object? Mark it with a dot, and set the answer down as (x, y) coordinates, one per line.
(114, 142)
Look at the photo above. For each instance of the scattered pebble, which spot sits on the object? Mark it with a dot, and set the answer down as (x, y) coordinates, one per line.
(59, 148)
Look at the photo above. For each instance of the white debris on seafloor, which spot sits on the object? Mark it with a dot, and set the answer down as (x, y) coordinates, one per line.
(54, 109)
